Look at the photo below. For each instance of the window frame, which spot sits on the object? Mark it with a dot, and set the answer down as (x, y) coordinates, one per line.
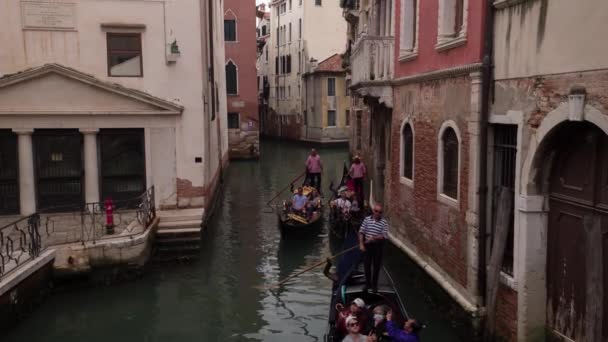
(236, 35)
(335, 118)
(410, 52)
(109, 52)
(331, 93)
(238, 116)
(447, 38)
(441, 195)
(402, 178)
(236, 77)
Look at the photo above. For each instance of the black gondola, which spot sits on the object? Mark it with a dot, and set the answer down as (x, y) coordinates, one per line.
(292, 223)
(349, 285)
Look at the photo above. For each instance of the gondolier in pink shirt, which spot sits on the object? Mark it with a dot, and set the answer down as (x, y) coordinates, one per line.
(314, 167)
(358, 172)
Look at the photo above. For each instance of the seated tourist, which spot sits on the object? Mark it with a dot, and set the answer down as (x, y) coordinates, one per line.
(410, 331)
(356, 308)
(353, 328)
(299, 202)
(343, 204)
(314, 202)
(378, 324)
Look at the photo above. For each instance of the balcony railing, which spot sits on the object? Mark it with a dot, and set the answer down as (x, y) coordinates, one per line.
(372, 59)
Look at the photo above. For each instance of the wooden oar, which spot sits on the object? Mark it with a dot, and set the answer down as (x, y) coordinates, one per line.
(285, 188)
(277, 284)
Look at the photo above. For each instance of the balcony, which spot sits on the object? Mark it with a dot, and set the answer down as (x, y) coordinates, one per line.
(372, 61)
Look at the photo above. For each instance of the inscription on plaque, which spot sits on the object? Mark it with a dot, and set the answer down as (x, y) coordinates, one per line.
(48, 15)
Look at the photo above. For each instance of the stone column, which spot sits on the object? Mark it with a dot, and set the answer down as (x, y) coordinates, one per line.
(27, 187)
(91, 170)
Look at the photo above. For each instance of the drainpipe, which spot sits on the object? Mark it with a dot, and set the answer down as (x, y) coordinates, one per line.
(487, 86)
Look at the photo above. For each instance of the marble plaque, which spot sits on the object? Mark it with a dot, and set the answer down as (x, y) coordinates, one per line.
(40, 15)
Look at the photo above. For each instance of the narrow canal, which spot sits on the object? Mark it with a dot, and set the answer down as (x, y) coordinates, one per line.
(216, 298)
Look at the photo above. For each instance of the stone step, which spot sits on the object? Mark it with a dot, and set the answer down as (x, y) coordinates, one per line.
(178, 249)
(179, 224)
(170, 240)
(181, 215)
(180, 231)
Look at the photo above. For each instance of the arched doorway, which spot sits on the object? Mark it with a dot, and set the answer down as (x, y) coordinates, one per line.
(577, 242)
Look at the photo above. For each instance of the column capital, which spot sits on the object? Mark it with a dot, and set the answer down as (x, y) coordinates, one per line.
(23, 131)
(89, 130)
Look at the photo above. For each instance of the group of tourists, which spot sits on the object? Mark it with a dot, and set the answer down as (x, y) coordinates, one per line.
(305, 205)
(355, 324)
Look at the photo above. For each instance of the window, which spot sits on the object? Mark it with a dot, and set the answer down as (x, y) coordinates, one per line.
(300, 28)
(123, 168)
(288, 91)
(452, 22)
(278, 34)
(449, 170)
(263, 30)
(347, 118)
(233, 121)
(124, 54)
(407, 149)
(290, 32)
(409, 25)
(258, 82)
(230, 30)
(288, 62)
(9, 173)
(266, 50)
(276, 65)
(505, 153)
(347, 88)
(318, 3)
(331, 118)
(358, 131)
(331, 86)
(231, 79)
(299, 62)
(290, 5)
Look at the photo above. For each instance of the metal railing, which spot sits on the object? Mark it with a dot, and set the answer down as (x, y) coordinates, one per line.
(25, 238)
(372, 59)
(20, 241)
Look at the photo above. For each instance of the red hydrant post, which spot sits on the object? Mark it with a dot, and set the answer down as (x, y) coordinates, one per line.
(109, 207)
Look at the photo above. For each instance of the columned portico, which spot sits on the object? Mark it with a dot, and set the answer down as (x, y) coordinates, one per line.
(91, 169)
(27, 189)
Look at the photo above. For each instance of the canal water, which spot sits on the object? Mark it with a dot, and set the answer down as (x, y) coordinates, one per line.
(217, 297)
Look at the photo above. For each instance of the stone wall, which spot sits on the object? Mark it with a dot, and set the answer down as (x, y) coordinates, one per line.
(437, 230)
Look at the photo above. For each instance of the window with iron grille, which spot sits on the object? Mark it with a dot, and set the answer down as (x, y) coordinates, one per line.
(450, 163)
(9, 173)
(347, 118)
(59, 170)
(124, 54)
(233, 120)
(505, 153)
(229, 30)
(408, 151)
(123, 166)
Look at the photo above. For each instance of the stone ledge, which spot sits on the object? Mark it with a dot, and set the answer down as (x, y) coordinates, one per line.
(14, 278)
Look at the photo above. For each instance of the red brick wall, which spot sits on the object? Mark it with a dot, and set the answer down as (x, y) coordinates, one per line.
(437, 230)
(506, 314)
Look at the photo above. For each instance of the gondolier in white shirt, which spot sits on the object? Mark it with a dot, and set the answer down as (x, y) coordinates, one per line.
(372, 234)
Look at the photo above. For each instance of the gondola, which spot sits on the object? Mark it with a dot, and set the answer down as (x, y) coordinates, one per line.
(338, 225)
(291, 223)
(349, 285)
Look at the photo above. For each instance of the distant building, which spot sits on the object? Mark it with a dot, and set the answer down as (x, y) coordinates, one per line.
(262, 65)
(301, 31)
(241, 88)
(105, 99)
(327, 102)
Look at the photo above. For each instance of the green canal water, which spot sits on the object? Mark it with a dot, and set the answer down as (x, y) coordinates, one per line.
(216, 298)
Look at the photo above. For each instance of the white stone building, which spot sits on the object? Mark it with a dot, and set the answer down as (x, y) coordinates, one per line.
(105, 99)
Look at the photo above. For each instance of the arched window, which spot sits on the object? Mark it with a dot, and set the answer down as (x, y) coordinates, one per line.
(449, 155)
(407, 150)
(231, 79)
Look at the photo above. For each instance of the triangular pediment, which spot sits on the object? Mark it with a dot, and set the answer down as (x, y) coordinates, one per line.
(55, 89)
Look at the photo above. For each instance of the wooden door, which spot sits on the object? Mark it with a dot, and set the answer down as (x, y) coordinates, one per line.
(9, 171)
(577, 236)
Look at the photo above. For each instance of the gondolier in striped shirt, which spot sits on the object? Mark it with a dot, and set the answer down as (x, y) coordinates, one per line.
(372, 234)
